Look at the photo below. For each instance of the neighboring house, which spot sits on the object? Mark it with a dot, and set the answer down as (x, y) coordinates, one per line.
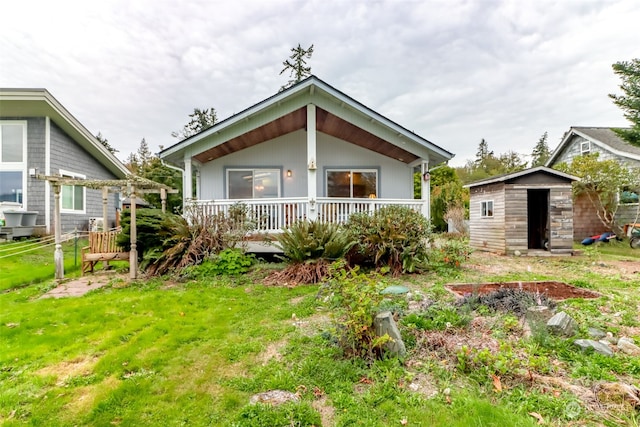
(522, 212)
(310, 152)
(583, 140)
(38, 136)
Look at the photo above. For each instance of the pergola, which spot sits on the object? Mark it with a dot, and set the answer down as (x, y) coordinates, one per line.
(131, 187)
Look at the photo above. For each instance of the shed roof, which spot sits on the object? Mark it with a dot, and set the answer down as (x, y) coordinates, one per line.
(518, 174)
(285, 112)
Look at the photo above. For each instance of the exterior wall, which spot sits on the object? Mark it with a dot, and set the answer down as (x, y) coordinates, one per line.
(487, 234)
(395, 179)
(573, 149)
(627, 214)
(36, 159)
(516, 219)
(561, 218)
(585, 221)
(67, 155)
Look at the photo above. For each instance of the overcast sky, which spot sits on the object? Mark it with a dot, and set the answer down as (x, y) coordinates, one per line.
(453, 71)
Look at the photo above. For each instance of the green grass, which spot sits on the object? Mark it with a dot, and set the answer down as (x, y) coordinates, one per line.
(36, 265)
(157, 353)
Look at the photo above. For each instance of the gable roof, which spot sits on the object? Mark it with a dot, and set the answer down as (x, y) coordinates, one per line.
(40, 103)
(518, 174)
(601, 136)
(337, 115)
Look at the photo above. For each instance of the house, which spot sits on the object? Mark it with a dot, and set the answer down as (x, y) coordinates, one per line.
(583, 140)
(309, 151)
(38, 136)
(525, 212)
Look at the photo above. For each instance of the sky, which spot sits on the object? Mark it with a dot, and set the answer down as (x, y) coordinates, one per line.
(452, 71)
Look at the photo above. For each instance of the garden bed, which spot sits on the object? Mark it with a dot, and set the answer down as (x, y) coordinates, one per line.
(552, 289)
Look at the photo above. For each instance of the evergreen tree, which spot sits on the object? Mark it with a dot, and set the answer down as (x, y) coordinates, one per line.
(296, 65)
(199, 120)
(104, 141)
(540, 153)
(629, 72)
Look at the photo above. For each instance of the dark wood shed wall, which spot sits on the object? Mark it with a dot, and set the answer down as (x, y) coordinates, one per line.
(516, 219)
(488, 233)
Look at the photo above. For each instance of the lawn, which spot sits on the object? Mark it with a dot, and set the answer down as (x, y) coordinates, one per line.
(156, 352)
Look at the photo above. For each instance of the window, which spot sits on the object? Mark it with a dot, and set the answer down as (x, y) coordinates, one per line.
(585, 147)
(253, 183)
(13, 146)
(352, 183)
(486, 209)
(72, 196)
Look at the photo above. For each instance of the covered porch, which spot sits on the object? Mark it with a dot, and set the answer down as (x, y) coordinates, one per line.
(271, 215)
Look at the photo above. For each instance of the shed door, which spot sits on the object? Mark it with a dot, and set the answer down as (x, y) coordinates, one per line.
(538, 218)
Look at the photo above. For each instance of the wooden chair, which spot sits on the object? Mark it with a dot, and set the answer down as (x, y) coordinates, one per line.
(102, 247)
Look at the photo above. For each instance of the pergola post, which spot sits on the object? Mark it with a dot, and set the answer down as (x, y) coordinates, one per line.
(105, 204)
(133, 255)
(58, 255)
(163, 198)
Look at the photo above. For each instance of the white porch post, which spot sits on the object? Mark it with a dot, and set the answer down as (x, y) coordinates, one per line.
(133, 253)
(312, 178)
(187, 187)
(425, 189)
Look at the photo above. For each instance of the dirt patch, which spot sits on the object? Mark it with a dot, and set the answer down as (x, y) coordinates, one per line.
(327, 412)
(554, 290)
(82, 285)
(272, 352)
(80, 366)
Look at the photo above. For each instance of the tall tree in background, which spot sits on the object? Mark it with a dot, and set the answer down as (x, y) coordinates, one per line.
(297, 65)
(486, 164)
(148, 165)
(104, 141)
(540, 153)
(200, 120)
(629, 72)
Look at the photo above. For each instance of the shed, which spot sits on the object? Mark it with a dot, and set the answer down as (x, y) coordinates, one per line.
(525, 211)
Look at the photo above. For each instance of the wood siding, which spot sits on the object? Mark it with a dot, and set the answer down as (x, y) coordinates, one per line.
(487, 234)
(561, 219)
(516, 219)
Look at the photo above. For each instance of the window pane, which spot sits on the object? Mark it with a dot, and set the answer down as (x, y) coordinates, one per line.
(11, 186)
(78, 198)
(67, 197)
(338, 184)
(12, 143)
(364, 184)
(240, 184)
(266, 184)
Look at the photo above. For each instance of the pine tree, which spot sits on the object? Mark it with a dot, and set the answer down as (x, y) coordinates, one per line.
(629, 72)
(200, 120)
(296, 65)
(540, 153)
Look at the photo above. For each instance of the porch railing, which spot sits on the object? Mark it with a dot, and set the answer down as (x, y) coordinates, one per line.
(271, 215)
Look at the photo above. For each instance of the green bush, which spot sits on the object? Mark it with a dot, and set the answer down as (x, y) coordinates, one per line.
(356, 299)
(149, 225)
(438, 317)
(229, 262)
(450, 253)
(310, 240)
(393, 237)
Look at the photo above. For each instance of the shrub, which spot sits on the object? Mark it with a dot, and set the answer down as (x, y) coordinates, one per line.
(449, 253)
(356, 299)
(394, 236)
(229, 262)
(190, 242)
(309, 247)
(148, 230)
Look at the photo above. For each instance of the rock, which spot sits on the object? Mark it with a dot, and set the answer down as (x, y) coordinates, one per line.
(562, 324)
(598, 347)
(517, 253)
(596, 333)
(274, 397)
(618, 393)
(627, 346)
(538, 313)
(385, 324)
(610, 338)
(395, 290)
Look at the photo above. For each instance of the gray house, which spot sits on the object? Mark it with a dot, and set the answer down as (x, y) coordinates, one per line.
(39, 136)
(310, 152)
(525, 212)
(583, 140)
